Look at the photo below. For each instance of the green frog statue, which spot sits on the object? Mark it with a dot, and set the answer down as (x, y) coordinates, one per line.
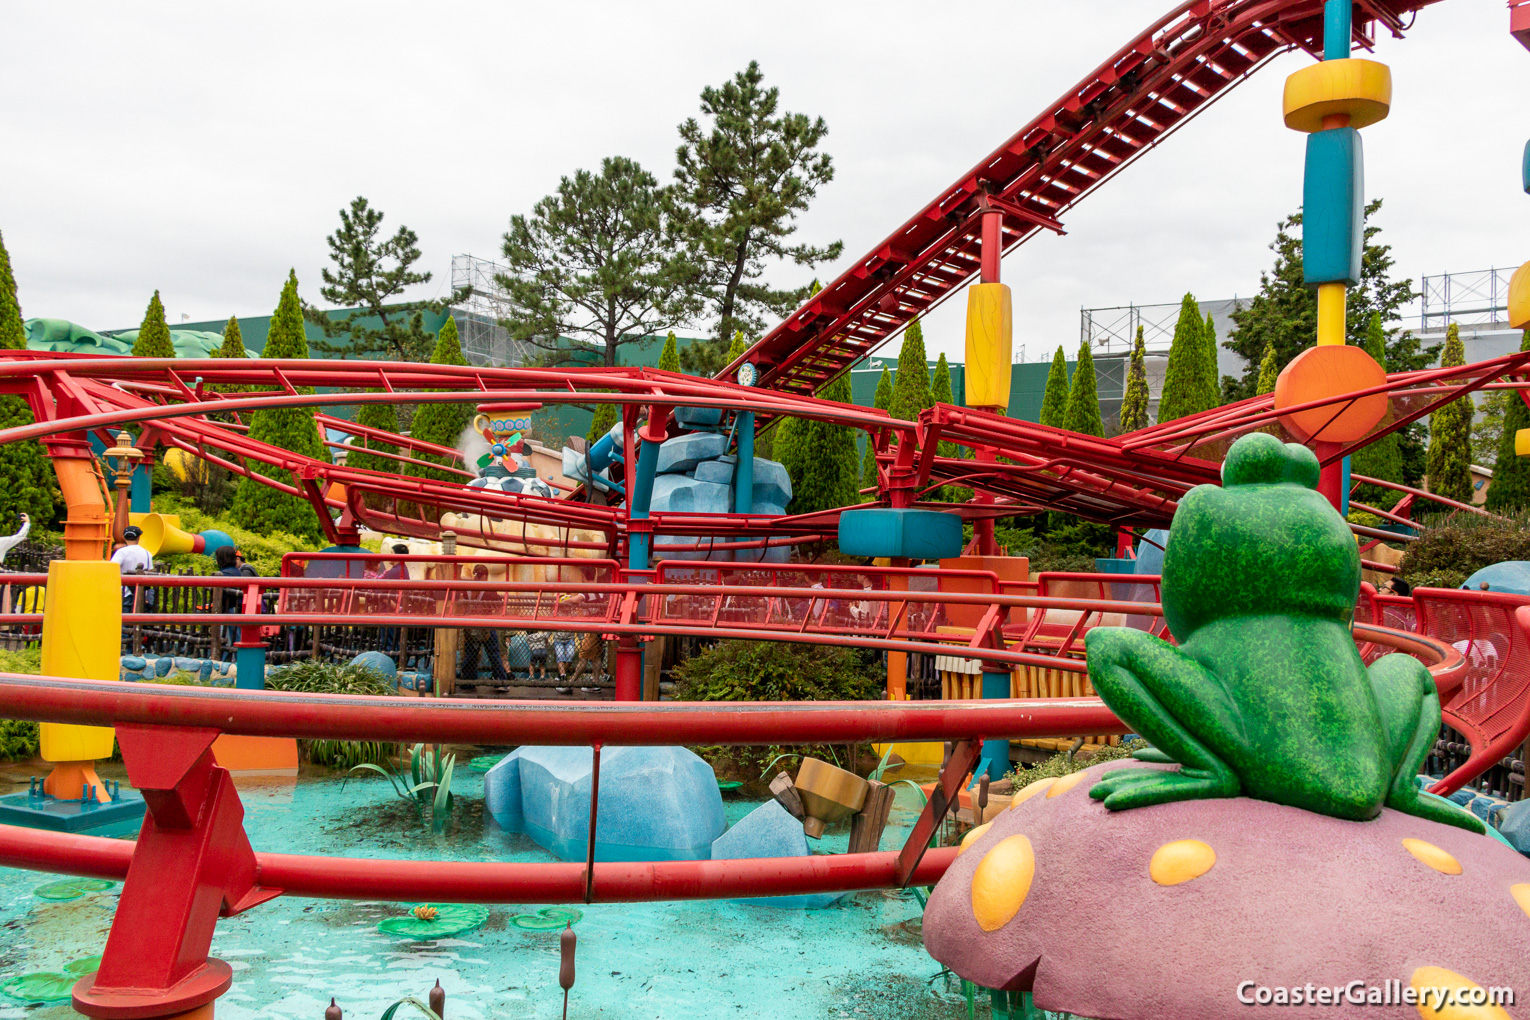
(1265, 695)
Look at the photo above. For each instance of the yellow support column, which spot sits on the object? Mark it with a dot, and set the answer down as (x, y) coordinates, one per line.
(1331, 300)
(81, 638)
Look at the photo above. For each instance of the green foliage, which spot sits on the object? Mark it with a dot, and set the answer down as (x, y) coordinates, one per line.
(233, 341)
(741, 181)
(1188, 380)
(1066, 543)
(789, 447)
(1065, 763)
(1450, 434)
(605, 416)
(154, 335)
(1083, 411)
(1283, 315)
(1134, 401)
(882, 401)
(911, 387)
(596, 263)
(940, 390)
(428, 771)
(1510, 489)
(18, 739)
(263, 551)
(776, 671)
(1054, 401)
(363, 280)
(737, 347)
(370, 454)
(1463, 543)
(1269, 371)
(828, 463)
(1383, 458)
(258, 506)
(30, 486)
(669, 357)
(441, 424)
(310, 676)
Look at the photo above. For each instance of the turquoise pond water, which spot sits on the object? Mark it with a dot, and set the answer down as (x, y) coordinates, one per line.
(860, 959)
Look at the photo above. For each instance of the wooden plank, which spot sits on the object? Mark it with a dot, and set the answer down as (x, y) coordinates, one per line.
(785, 792)
(866, 825)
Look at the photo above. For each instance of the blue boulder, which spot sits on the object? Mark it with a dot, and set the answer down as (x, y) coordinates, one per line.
(769, 831)
(717, 471)
(133, 663)
(656, 803)
(683, 453)
(1514, 825)
(772, 485)
(683, 494)
(1510, 576)
(383, 664)
(162, 666)
(699, 417)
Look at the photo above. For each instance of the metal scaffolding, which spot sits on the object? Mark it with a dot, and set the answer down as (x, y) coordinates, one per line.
(1476, 300)
(484, 341)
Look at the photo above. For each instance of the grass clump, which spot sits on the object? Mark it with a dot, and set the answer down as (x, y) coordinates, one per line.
(309, 676)
(19, 739)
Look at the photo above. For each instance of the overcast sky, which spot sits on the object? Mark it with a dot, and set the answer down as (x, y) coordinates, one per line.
(203, 149)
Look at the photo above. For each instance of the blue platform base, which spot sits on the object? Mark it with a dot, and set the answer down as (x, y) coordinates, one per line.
(885, 531)
(121, 817)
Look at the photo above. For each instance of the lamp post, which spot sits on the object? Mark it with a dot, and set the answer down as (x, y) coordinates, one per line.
(127, 456)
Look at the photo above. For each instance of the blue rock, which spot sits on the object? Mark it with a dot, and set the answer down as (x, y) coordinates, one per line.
(1510, 576)
(769, 831)
(502, 794)
(772, 485)
(715, 471)
(684, 452)
(1463, 796)
(205, 671)
(1514, 826)
(897, 531)
(162, 666)
(130, 677)
(188, 665)
(656, 803)
(1150, 556)
(683, 494)
(699, 416)
(133, 663)
(384, 664)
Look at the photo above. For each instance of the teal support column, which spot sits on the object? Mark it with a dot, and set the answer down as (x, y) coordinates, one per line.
(743, 477)
(640, 544)
(250, 666)
(996, 685)
(143, 487)
(1336, 29)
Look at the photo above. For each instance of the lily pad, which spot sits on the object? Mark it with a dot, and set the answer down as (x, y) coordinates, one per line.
(548, 918)
(485, 762)
(451, 919)
(88, 965)
(71, 888)
(40, 987)
(727, 785)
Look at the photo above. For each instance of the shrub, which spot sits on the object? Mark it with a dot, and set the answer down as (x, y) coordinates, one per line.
(1461, 544)
(262, 551)
(309, 676)
(18, 739)
(1066, 763)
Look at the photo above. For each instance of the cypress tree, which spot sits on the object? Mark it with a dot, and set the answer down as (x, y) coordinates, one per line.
(441, 424)
(788, 448)
(375, 456)
(1210, 380)
(257, 506)
(1269, 370)
(1450, 434)
(1184, 381)
(1054, 401)
(940, 389)
(29, 479)
(1382, 459)
(154, 335)
(737, 347)
(233, 341)
(1134, 401)
(605, 416)
(882, 401)
(1510, 488)
(669, 357)
(911, 388)
(1083, 411)
(828, 464)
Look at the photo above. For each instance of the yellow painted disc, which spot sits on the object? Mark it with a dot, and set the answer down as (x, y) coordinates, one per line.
(1002, 881)
(1039, 786)
(1429, 854)
(1065, 784)
(1180, 861)
(972, 837)
(1463, 999)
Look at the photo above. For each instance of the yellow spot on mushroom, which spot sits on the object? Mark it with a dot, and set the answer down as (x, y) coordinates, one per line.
(1065, 784)
(1002, 881)
(1180, 861)
(1521, 893)
(1433, 856)
(1465, 999)
(972, 837)
(1039, 786)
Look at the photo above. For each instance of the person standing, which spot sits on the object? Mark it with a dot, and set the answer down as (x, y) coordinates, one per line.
(133, 558)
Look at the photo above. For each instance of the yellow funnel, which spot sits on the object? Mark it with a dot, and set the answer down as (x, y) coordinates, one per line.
(163, 538)
(828, 794)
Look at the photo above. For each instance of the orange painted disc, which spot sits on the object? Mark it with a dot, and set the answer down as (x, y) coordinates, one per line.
(1331, 371)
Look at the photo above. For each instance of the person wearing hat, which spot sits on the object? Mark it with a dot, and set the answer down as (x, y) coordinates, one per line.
(132, 558)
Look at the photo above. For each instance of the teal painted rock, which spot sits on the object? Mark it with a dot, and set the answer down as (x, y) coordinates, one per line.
(884, 531)
(1265, 695)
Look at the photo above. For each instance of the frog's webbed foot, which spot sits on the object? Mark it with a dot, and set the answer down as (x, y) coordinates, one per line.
(1167, 697)
(1410, 712)
(1152, 754)
(1126, 788)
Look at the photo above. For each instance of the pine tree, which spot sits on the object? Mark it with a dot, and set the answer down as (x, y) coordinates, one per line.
(1269, 370)
(828, 466)
(1450, 434)
(669, 358)
(375, 456)
(1054, 401)
(29, 480)
(911, 388)
(233, 341)
(257, 506)
(1510, 489)
(441, 424)
(1184, 382)
(1382, 459)
(154, 335)
(1134, 401)
(1083, 411)
(882, 401)
(1210, 380)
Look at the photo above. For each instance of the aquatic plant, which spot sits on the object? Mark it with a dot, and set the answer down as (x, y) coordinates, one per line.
(428, 770)
(548, 919)
(444, 921)
(71, 888)
(46, 986)
(311, 676)
(410, 1001)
